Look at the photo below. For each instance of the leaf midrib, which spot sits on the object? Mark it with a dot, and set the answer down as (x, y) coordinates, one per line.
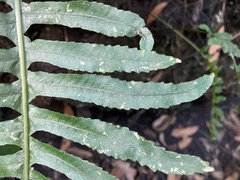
(63, 54)
(72, 127)
(66, 162)
(120, 93)
(79, 14)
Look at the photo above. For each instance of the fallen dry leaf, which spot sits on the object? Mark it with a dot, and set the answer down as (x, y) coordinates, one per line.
(195, 177)
(155, 12)
(236, 152)
(215, 49)
(84, 154)
(171, 147)
(184, 142)
(218, 174)
(145, 173)
(68, 110)
(233, 114)
(233, 121)
(237, 138)
(65, 144)
(184, 132)
(173, 177)
(117, 173)
(233, 176)
(162, 139)
(121, 167)
(157, 77)
(163, 122)
(150, 133)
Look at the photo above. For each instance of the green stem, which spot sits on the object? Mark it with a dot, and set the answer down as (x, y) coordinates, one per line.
(236, 68)
(24, 88)
(178, 33)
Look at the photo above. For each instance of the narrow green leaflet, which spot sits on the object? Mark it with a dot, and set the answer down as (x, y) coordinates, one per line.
(11, 132)
(96, 58)
(115, 141)
(10, 96)
(205, 27)
(8, 149)
(11, 165)
(91, 16)
(9, 61)
(35, 175)
(114, 93)
(19, 151)
(8, 26)
(71, 166)
(83, 14)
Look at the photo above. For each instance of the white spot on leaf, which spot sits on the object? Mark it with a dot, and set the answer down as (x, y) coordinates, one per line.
(208, 169)
(178, 156)
(122, 106)
(114, 29)
(101, 63)
(27, 8)
(136, 135)
(82, 62)
(143, 53)
(69, 9)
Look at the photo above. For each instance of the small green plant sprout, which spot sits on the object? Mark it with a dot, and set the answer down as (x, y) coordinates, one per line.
(224, 41)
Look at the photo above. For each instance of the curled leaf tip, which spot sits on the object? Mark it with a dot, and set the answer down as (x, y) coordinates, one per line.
(178, 60)
(208, 169)
(147, 41)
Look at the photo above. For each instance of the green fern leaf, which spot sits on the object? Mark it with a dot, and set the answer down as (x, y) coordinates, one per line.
(9, 61)
(99, 89)
(10, 96)
(115, 141)
(35, 175)
(114, 93)
(86, 15)
(11, 132)
(90, 57)
(11, 165)
(8, 26)
(70, 165)
(90, 16)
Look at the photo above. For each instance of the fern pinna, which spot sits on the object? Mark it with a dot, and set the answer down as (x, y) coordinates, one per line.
(99, 89)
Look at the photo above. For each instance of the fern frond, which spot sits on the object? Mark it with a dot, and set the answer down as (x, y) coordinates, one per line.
(95, 57)
(114, 93)
(16, 134)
